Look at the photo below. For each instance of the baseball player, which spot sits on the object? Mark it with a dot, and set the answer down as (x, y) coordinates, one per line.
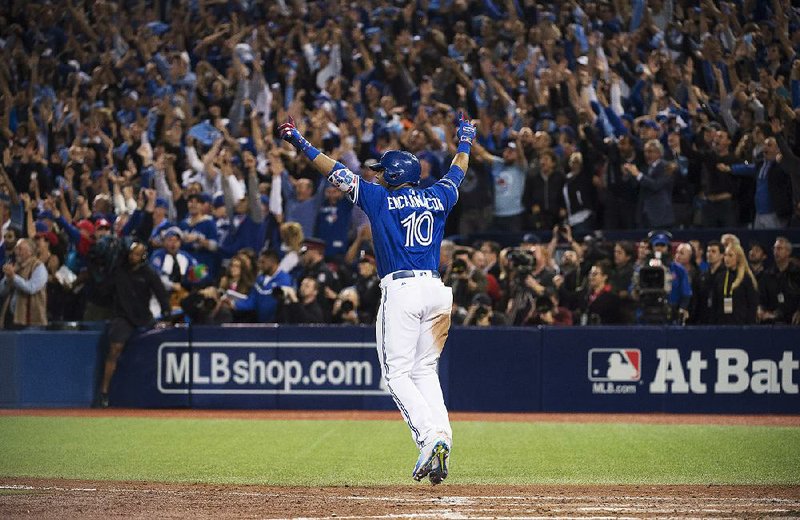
(414, 315)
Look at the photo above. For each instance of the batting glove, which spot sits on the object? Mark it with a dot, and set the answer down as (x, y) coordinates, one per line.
(465, 133)
(291, 135)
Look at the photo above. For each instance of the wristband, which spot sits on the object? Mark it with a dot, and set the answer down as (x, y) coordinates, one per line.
(311, 152)
(306, 148)
(464, 147)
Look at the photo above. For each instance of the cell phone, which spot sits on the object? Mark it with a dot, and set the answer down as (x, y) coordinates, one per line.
(748, 38)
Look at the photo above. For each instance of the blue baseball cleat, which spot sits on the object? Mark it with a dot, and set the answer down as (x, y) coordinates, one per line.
(433, 463)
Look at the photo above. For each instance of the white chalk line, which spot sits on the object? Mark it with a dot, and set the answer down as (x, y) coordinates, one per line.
(449, 500)
(457, 516)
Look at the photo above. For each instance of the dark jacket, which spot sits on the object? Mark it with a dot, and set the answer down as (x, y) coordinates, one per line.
(778, 183)
(133, 287)
(786, 287)
(604, 309)
(703, 298)
(791, 165)
(655, 197)
(745, 300)
(301, 313)
(545, 192)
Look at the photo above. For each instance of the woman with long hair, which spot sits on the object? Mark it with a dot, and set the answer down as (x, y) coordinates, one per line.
(240, 276)
(236, 283)
(291, 241)
(735, 300)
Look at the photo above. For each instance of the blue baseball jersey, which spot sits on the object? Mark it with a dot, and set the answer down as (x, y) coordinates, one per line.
(407, 223)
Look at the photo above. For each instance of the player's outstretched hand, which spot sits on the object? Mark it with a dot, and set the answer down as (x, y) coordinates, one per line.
(466, 130)
(289, 132)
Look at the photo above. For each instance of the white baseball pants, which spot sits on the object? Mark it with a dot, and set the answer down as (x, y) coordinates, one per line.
(412, 326)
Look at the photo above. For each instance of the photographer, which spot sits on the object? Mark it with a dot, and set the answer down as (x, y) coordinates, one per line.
(300, 306)
(345, 308)
(662, 285)
(481, 314)
(570, 282)
(548, 312)
(368, 287)
(522, 286)
(465, 279)
(622, 277)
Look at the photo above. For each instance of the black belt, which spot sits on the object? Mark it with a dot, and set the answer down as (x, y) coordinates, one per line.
(411, 274)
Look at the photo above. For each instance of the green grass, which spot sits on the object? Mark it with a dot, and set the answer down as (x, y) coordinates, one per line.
(318, 453)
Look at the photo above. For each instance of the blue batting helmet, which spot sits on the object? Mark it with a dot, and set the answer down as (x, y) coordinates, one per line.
(398, 168)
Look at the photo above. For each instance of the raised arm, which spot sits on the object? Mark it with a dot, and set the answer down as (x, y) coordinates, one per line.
(466, 136)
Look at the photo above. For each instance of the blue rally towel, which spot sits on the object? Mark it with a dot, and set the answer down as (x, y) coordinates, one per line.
(205, 133)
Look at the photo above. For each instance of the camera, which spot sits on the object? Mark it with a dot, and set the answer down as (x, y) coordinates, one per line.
(544, 305)
(522, 261)
(653, 284)
(480, 313)
(651, 279)
(346, 306)
(459, 266)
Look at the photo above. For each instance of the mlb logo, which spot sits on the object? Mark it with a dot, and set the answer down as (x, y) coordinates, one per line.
(615, 364)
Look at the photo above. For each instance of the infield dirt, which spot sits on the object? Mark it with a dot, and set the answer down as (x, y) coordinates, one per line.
(53, 498)
(32, 498)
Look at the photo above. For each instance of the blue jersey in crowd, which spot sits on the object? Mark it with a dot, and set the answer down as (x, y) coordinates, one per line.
(333, 224)
(208, 228)
(408, 223)
(261, 299)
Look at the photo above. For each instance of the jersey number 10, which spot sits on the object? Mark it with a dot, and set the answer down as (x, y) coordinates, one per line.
(419, 229)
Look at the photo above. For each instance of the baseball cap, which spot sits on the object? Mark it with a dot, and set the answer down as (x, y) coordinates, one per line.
(86, 225)
(172, 231)
(568, 131)
(531, 238)
(200, 197)
(161, 202)
(41, 227)
(313, 243)
(481, 299)
(649, 123)
(660, 239)
(46, 214)
(49, 235)
(102, 223)
(219, 201)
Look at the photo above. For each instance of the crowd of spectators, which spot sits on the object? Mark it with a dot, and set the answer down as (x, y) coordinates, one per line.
(144, 133)
(653, 281)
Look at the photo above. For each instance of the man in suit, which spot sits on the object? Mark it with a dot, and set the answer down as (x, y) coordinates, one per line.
(791, 165)
(773, 198)
(654, 208)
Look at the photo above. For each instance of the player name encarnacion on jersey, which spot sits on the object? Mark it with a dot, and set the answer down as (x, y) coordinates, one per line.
(414, 201)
